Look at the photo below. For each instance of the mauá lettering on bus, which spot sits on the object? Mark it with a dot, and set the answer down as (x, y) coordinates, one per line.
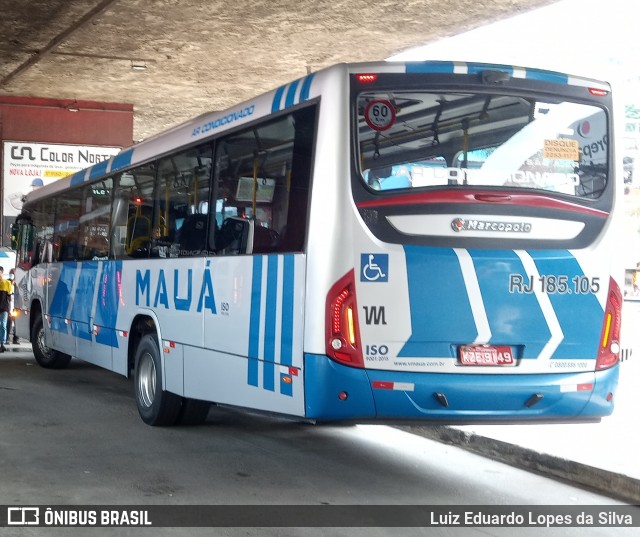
(162, 287)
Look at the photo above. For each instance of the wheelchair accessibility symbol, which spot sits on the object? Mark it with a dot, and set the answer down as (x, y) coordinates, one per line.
(374, 267)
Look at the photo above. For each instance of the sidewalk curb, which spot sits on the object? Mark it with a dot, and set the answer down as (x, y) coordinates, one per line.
(611, 484)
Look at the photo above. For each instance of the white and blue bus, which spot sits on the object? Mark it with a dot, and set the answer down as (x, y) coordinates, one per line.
(421, 241)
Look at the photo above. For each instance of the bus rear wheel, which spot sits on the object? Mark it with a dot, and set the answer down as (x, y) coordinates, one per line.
(155, 406)
(45, 356)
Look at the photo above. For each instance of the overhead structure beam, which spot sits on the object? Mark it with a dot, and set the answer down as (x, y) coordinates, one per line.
(57, 41)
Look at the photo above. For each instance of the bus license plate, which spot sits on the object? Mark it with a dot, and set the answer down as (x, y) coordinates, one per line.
(486, 355)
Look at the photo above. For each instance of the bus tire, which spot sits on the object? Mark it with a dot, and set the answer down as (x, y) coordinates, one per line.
(193, 411)
(46, 357)
(155, 406)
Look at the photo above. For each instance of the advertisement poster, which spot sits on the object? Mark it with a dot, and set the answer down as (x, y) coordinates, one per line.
(27, 166)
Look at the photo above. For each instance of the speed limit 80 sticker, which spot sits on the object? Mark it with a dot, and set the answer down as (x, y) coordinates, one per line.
(380, 114)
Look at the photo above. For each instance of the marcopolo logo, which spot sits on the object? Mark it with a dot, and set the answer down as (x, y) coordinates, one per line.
(460, 224)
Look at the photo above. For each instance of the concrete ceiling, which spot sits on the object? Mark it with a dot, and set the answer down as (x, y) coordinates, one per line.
(203, 55)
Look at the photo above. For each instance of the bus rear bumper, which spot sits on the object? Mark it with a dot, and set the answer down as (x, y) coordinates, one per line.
(335, 392)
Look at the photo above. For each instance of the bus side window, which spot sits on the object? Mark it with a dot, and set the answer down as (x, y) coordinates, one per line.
(43, 214)
(24, 232)
(132, 213)
(264, 239)
(263, 174)
(192, 235)
(182, 204)
(35, 236)
(67, 227)
(46, 252)
(139, 228)
(119, 214)
(94, 220)
(233, 236)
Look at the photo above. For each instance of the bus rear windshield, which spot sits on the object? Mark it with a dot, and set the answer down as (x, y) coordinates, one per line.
(413, 139)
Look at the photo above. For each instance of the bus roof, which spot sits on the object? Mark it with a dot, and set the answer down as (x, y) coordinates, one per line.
(279, 99)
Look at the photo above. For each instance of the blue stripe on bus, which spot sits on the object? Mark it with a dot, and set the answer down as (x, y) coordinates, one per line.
(546, 76)
(98, 170)
(291, 94)
(440, 307)
(279, 304)
(108, 301)
(122, 159)
(430, 67)
(277, 99)
(580, 314)
(514, 318)
(475, 68)
(61, 297)
(306, 87)
(270, 323)
(78, 178)
(286, 384)
(286, 344)
(83, 300)
(291, 91)
(254, 321)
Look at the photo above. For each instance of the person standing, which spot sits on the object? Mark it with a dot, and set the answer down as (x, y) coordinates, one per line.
(6, 290)
(11, 325)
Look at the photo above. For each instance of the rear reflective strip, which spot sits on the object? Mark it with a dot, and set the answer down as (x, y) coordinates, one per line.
(400, 386)
(586, 387)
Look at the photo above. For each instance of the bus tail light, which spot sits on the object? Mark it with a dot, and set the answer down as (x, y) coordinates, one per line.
(609, 350)
(367, 78)
(597, 92)
(342, 333)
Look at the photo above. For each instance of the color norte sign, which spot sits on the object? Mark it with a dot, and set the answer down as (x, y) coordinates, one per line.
(27, 166)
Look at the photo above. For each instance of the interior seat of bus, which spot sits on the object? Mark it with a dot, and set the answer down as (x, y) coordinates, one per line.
(192, 235)
(138, 231)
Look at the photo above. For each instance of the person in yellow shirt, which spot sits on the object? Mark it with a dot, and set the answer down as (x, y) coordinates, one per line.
(11, 326)
(6, 290)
